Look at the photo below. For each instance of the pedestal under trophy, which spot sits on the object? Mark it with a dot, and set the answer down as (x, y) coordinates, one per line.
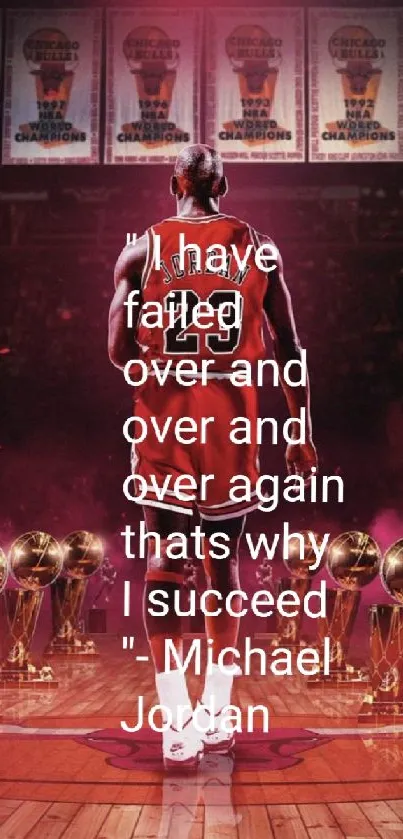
(385, 695)
(35, 561)
(82, 557)
(353, 562)
(299, 564)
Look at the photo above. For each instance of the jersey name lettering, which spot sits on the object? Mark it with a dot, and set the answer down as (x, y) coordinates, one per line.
(231, 271)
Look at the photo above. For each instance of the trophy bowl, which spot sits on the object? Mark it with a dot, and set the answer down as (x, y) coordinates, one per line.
(299, 568)
(35, 560)
(354, 560)
(392, 571)
(83, 554)
(3, 569)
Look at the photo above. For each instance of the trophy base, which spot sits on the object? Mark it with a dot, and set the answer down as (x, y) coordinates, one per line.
(74, 651)
(351, 677)
(294, 646)
(374, 711)
(269, 637)
(30, 678)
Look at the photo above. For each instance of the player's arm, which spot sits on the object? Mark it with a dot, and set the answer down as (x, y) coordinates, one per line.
(280, 317)
(129, 268)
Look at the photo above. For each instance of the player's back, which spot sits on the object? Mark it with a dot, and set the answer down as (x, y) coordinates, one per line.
(181, 268)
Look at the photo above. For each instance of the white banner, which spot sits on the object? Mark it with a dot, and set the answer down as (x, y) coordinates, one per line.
(52, 86)
(356, 85)
(255, 88)
(152, 84)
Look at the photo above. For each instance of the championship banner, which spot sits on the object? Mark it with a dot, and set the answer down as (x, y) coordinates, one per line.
(153, 84)
(356, 82)
(52, 86)
(255, 95)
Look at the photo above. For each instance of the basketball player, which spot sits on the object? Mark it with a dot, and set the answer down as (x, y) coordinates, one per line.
(198, 184)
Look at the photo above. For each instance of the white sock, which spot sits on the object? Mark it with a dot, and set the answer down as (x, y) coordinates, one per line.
(172, 692)
(218, 685)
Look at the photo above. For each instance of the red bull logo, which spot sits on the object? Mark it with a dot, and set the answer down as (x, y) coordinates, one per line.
(52, 59)
(255, 56)
(358, 57)
(153, 58)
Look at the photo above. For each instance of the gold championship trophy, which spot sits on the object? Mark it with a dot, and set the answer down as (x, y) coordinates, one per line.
(353, 562)
(358, 58)
(3, 570)
(153, 59)
(83, 555)
(35, 561)
(289, 629)
(385, 695)
(52, 59)
(264, 577)
(255, 56)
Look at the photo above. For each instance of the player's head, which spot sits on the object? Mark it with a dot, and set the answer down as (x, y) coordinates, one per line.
(199, 172)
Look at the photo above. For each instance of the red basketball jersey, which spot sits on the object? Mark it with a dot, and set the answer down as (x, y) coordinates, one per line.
(171, 284)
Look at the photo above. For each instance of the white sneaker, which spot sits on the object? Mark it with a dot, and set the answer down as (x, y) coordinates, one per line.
(182, 749)
(217, 739)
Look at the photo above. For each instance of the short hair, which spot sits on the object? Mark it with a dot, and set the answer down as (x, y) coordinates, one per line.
(198, 169)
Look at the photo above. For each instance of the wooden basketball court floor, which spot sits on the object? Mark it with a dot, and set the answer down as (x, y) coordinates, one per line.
(68, 770)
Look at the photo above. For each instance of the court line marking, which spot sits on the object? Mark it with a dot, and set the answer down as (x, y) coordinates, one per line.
(136, 783)
(81, 732)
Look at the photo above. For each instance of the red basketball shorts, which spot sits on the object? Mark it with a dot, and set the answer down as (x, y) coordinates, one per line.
(159, 463)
